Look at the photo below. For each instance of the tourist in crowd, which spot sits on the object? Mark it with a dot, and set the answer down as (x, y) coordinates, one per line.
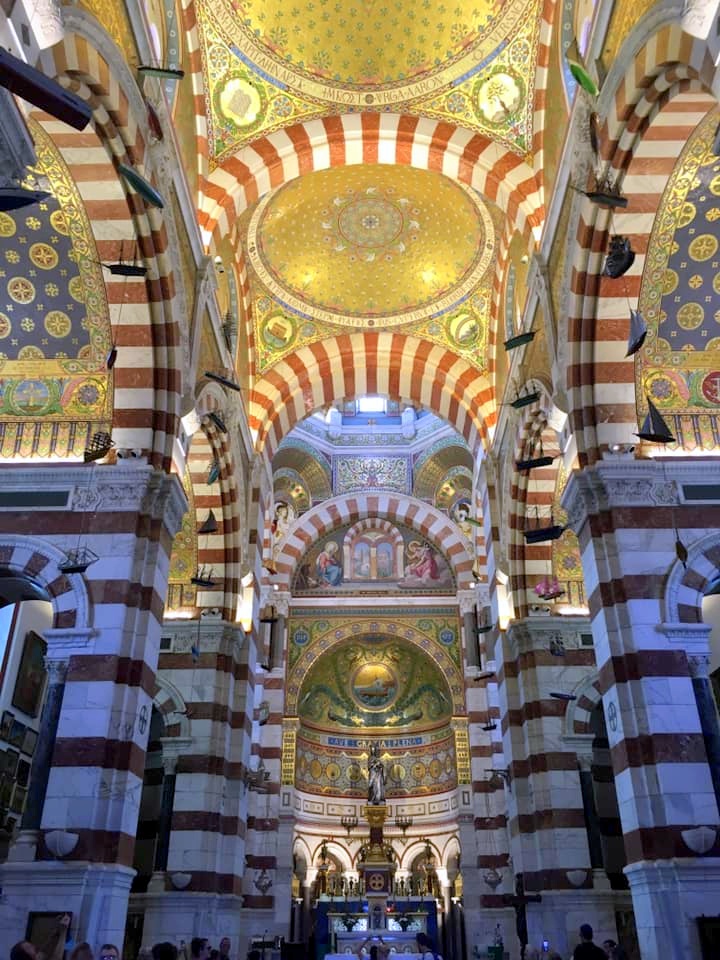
(164, 951)
(426, 948)
(82, 951)
(199, 948)
(614, 950)
(225, 948)
(108, 951)
(378, 951)
(586, 949)
(52, 950)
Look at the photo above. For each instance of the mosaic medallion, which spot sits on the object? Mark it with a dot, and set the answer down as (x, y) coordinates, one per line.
(381, 245)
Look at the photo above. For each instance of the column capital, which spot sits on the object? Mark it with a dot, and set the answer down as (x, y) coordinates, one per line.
(56, 670)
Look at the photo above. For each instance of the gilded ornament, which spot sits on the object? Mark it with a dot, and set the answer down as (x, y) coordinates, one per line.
(57, 324)
(7, 225)
(21, 290)
(703, 247)
(43, 256)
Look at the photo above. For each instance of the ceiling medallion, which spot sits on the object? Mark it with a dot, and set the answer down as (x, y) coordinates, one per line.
(381, 246)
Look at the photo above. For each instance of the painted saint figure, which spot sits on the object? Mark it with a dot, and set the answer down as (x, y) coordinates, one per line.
(376, 777)
(327, 566)
(423, 564)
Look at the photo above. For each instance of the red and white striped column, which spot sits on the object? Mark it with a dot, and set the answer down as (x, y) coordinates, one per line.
(628, 514)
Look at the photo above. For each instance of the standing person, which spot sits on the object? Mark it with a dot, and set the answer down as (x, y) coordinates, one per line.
(614, 950)
(586, 949)
(164, 951)
(378, 951)
(426, 948)
(83, 951)
(199, 948)
(52, 950)
(225, 948)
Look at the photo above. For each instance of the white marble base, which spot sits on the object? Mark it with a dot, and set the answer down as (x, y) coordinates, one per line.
(96, 894)
(558, 917)
(179, 916)
(668, 896)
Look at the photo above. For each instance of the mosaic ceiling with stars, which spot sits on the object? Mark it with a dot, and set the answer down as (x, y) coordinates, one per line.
(679, 368)
(272, 64)
(382, 246)
(54, 326)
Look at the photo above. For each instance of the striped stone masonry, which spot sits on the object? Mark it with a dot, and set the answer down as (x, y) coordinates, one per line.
(628, 515)
(106, 627)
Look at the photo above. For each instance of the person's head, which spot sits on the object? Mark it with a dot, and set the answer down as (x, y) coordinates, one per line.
(83, 951)
(586, 932)
(164, 951)
(108, 951)
(24, 950)
(254, 955)
(199, 948)
(424, 942)
(609, 946)
(225, 946)
(214, 955)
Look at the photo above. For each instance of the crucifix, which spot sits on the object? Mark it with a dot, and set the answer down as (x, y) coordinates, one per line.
(518, 902)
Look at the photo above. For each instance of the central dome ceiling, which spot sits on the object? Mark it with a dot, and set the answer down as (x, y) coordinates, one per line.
(369, 44)
(360, 243)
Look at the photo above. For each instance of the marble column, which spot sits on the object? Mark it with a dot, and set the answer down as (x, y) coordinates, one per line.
(628, 515)
(25, 846)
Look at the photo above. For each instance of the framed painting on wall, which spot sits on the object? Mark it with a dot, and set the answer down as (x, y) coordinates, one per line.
(29, 742)
(6, 724)
(17, 734)
(31, 677)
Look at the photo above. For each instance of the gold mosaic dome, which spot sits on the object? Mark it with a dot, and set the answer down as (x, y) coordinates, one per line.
(370, 245)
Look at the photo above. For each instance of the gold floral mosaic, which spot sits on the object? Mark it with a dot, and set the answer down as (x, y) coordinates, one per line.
(354, 244)
(54, 321)
(269, 65)
(382, 246)
(679, 366)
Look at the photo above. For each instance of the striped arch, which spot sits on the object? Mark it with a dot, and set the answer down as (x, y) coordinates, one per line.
(688, 582)
(416, 514)
(169, 703)
(499, 175)
(671, 74)
(218, 551)
(37, 561)
(392, 364)
(579, 711)
(530, 563)
(146, 374)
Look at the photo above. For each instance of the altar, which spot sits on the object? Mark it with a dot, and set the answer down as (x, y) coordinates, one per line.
(349, 943)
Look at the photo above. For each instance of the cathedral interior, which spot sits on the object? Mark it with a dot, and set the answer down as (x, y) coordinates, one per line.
(359, 488)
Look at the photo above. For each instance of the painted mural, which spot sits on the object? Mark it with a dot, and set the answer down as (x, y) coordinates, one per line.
(273, 65)
(375, 682)
(373, 557)
(426, 767)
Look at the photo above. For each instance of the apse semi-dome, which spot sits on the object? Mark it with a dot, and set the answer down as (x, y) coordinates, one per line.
(370, 245)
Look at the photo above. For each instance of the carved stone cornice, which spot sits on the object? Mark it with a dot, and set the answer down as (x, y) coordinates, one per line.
(624, 482)
(543, 633)
(217, 636)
